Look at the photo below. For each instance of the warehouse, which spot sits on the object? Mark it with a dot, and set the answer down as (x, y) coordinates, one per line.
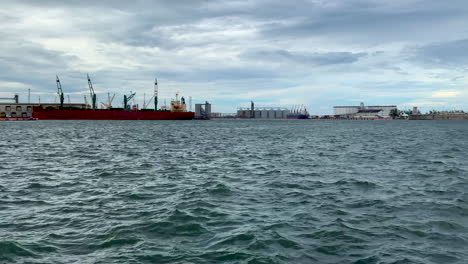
(362, 111)
(25, 110)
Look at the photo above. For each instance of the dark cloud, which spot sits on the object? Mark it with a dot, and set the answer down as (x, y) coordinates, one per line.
(370, 22)
(325, 58)
(26, 63)
(443, 54)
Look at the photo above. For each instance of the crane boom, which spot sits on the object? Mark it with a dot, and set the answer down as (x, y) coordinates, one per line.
(146, 103)
(91, 91)
(131, 96)
(15, 98)
(60, 91)
(111, 99)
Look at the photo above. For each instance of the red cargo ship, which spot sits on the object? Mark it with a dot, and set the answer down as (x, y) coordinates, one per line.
(178, 110)
(108, 114)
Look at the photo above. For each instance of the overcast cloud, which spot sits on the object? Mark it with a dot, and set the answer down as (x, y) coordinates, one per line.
(312, 52)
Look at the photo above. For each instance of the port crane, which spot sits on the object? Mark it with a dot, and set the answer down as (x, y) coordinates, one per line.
(155, 96)
(60, 91)
(15, 98)
(91, 91)
(127, 99)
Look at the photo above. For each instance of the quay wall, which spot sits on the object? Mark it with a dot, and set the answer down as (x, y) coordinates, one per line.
(439, 117)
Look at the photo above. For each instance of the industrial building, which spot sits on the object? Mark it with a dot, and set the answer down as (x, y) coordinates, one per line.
(262, 112)
(203, 111)
(362, 111)
(15, 109)
(25, 110)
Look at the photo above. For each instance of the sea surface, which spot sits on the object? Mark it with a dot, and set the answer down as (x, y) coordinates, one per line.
(234, 191)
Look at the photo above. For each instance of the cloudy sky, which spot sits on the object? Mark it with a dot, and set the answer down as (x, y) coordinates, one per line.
(318, 53)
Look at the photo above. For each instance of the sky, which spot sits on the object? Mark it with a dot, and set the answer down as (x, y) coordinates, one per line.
(317, 53)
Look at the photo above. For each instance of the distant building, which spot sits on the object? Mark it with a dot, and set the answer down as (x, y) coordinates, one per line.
(362, 111)
(203, 111)
(15, 110)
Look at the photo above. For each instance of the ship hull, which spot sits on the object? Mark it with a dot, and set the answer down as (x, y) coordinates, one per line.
(298, 116)
(89, 114)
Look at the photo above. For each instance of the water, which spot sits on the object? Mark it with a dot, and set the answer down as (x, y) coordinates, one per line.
(281, 191)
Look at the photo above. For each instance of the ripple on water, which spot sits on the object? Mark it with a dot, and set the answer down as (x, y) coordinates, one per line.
(244, 191)
(9, 250)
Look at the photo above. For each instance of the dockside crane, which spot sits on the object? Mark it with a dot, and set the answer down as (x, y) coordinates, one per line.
(127, 99)
(15, 98)
(91, 91)
(60, 91)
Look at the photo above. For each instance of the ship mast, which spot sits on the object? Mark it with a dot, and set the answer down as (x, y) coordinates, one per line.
(60, 91)
(155, 94)
(91, 91)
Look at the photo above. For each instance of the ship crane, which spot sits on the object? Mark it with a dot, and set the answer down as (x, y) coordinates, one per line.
(91, 91)
(146, 103)
(108, 105)
(111, 99)
(127, 99)
(155, 96)
(60, 91)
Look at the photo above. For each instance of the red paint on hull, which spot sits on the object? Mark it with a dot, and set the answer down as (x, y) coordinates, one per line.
(88, 114)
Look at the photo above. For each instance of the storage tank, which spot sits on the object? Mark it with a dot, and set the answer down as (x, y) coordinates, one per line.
(257, 114)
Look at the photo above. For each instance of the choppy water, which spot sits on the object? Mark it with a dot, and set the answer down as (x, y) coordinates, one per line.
(293, 191)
